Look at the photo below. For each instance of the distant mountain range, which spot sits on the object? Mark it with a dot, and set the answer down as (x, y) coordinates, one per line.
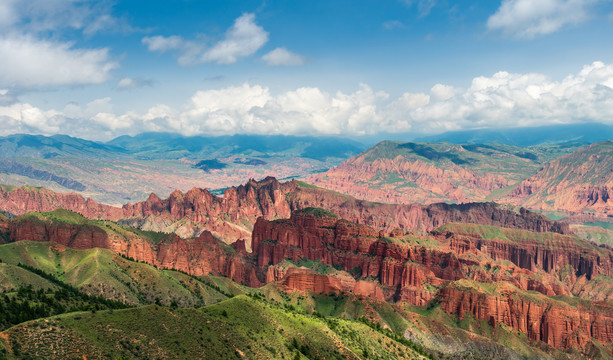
(586, 133)
(567, 177)
(130, 168)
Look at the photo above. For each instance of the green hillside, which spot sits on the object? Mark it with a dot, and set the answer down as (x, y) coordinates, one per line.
(239, 328)
(100, 272)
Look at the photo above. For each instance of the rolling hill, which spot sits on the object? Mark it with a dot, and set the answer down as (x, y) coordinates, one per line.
(578, 182)
(433, 172)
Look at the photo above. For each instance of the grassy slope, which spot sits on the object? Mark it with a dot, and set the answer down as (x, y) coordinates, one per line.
(516, 162)
(101, 272)
(242, 327)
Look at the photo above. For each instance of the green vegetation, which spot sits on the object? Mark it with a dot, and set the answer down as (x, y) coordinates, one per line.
(100, 272)
(26, 304)
(603, 224)
(302, 184)
(242, 327)
(317, 212)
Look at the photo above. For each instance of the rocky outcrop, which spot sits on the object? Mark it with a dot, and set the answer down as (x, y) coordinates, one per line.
(427, 182)
(554, 322)
(232, 216)
(548, 252)
(525, 270)
(402, 270)
(197, 256)
(458, 267)
(20, 200)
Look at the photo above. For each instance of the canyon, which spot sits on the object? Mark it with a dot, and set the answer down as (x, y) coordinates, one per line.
(515, 277)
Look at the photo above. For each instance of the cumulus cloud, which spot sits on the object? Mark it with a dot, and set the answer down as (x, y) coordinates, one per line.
(243, 39)
(501, 100)
(63, 64)
(282, 57)
(27, 28)
(162, 44)
(528, 18)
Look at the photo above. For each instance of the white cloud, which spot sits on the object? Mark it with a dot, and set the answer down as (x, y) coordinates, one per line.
(529, 18)
(282, 57)
(243, 39)
(131, 83)
(89, 16)
(63, 64)
(162, 44)
(442, 92)
(500, 100)
(32, 57)
(7, 13)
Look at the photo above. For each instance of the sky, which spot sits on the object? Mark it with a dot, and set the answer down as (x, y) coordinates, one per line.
(102, 69)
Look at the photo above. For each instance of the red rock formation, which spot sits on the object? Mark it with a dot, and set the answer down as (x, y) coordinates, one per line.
(378, 267)
(21, 200)
(555, 323)
(356, 249)
(232, 216)
(430, 182)
(417, 274)
(574, 183)
(548, 252)
(196, 256)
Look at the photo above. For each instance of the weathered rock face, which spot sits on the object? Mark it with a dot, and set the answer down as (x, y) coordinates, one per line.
(428, 173)
(442, 267)
(430, 183)
(402, 270)
(555, 323)
(547, 252)
(232, 216)
(576, 182)
(24, 199)
(418, 274)
(197, 256)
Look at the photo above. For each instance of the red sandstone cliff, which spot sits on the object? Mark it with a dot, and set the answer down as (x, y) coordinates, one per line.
(232, 216)
(461, 254)
(451, 267)
(197, 256)
(556, 323)
(21, 200)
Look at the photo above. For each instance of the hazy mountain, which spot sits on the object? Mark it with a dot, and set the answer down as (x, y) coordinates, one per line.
(526, 136)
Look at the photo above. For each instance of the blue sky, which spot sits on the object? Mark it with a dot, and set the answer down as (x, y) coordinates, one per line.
(100, 69)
